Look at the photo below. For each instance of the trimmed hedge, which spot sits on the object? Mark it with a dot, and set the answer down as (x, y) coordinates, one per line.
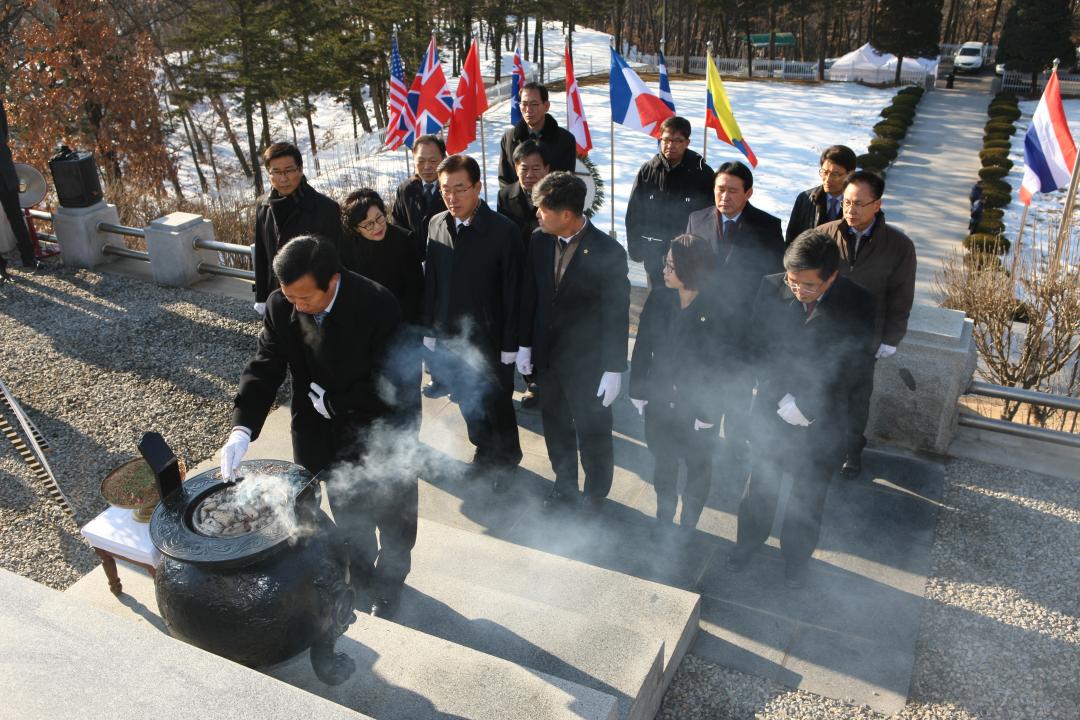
(996, 135)
(891, 130)
(880, 142)
(1006, 95)
(983, 261)
(901, 112)
(990, 227)
(1004, 113)
(996, 199)
(889, 152)
(912, 90)
(993, 214)
(872, 161)
(993, 172)
(997, 161)
(999, 153)
(998, 126)
(997, 186)
(1002, 144)
(986, 243)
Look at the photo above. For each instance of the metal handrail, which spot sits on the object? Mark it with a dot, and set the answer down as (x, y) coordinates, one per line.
(1032, 397)
(222, 246)
(1025, 431)
(127, 252)
(41, 214)
(121, 229)
(215, 269)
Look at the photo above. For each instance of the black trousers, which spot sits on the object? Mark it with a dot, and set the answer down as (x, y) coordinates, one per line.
(364, 505)
(859, 409)
(485, 396)
(811, 457)
(670, 439)
(574, 418)
(9, 198)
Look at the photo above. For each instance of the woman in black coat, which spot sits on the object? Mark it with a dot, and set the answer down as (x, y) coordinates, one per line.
(672, 376)
(386, 253)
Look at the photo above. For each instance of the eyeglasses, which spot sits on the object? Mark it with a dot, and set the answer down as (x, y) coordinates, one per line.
(374, 223)
(669, 266)
(810, 288)
(852, 204)
(834, 175)
(457, 190)
(284, 172)
(530, 105)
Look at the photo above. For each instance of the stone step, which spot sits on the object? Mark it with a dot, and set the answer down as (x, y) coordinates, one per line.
(401, 673)
(586, 649)
(61, 657)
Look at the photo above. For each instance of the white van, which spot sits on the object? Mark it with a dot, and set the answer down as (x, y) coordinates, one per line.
(971, 57)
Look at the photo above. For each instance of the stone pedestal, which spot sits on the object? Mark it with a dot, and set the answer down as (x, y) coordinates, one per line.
(170, 240)
(917, 389)
(78, 236)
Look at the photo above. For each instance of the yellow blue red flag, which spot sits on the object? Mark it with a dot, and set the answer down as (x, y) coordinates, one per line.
(718, 114)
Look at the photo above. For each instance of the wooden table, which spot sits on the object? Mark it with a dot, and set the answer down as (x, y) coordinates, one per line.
(115, 534)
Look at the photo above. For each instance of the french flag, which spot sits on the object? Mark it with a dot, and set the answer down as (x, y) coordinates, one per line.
(632, 105)
(1049, 150)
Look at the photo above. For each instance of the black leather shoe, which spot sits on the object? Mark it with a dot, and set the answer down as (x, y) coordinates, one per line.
(557, 498)
(738, 560)
(4, 277)
(795, 575)
(852, 466)
(435, 389)
(592, 505)
(383, 608)
(530, 398)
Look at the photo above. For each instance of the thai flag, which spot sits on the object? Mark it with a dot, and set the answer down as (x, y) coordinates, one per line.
(665, 85)
(429, 98)
(517, 81)
(399, 112)
(1049, 150)
(632, 105)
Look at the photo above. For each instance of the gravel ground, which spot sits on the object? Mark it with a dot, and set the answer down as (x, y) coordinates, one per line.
(1000, 632)
(999, 637)
(96, 360)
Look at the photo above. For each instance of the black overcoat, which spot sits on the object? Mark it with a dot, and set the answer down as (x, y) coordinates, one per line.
(515, 204)
(560, 148)
(393, 263)
(414, 208)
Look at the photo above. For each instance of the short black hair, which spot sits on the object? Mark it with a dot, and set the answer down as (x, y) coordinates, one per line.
(560, 191)
(693, 258)
(842, 155)
(538, 87)
(737, 169)
(812, 250)
(454, 163)
(356, 206)
(678, 124)
(875, 181)
(530, 147)
(282, 149)
(430, 140)
(307, 254)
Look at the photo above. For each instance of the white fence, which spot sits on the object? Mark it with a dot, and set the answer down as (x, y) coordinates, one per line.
(1020, 83)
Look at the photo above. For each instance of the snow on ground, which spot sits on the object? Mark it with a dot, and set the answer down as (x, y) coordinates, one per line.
(786, 124)
(1044, 215)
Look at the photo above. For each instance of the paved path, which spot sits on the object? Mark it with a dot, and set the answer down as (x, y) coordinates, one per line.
(927, 188)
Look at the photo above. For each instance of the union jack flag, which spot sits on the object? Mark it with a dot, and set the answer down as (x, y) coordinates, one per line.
(400, 114)
(429, 98)
(517, 81)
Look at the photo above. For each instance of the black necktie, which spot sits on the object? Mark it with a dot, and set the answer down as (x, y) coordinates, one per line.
(429, 189)
(833, 209)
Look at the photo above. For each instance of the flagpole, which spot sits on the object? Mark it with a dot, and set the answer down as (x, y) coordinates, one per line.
(705, 135)
(483, 149)
(1019, 242)
(611, 117)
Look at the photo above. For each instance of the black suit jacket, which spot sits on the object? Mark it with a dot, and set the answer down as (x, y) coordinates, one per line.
(515, 204)
(347, 355)
(582, 327)
(560, 148)
(413, 210)
(815, 358)
(472, 280)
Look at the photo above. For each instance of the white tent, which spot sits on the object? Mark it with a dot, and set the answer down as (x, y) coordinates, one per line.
(868, 65)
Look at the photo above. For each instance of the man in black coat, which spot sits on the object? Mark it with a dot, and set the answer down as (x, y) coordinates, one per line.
(821, 203)
(418, 199)
(472, 284)
(575, 313)
(9, 198)
(334, 332)
(675, 183)
(536, 124)
(813, 333)
(293, 208)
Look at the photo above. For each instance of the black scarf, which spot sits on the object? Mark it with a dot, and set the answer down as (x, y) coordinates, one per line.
(285, 207)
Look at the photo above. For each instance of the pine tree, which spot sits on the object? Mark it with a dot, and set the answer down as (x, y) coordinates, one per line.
(908, 28)
(1036, 32)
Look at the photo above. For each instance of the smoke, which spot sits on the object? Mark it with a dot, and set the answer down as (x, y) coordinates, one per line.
(254, 502)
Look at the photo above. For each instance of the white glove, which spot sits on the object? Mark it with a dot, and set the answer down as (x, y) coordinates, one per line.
(260, 308)
(508, 358)
(885, 351)
(524, 360)
(699, 425)
(318, 399)
(639, 404)
(429, 343)
(610, 384)
(789, 412)
(233, 451)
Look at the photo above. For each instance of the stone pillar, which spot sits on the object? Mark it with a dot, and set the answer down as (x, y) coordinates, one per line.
(77, 234)
(916, 390)
(170, 240)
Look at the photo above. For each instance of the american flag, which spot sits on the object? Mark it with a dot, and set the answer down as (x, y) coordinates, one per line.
(429, 98)
(399, 111)
(517, 81)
